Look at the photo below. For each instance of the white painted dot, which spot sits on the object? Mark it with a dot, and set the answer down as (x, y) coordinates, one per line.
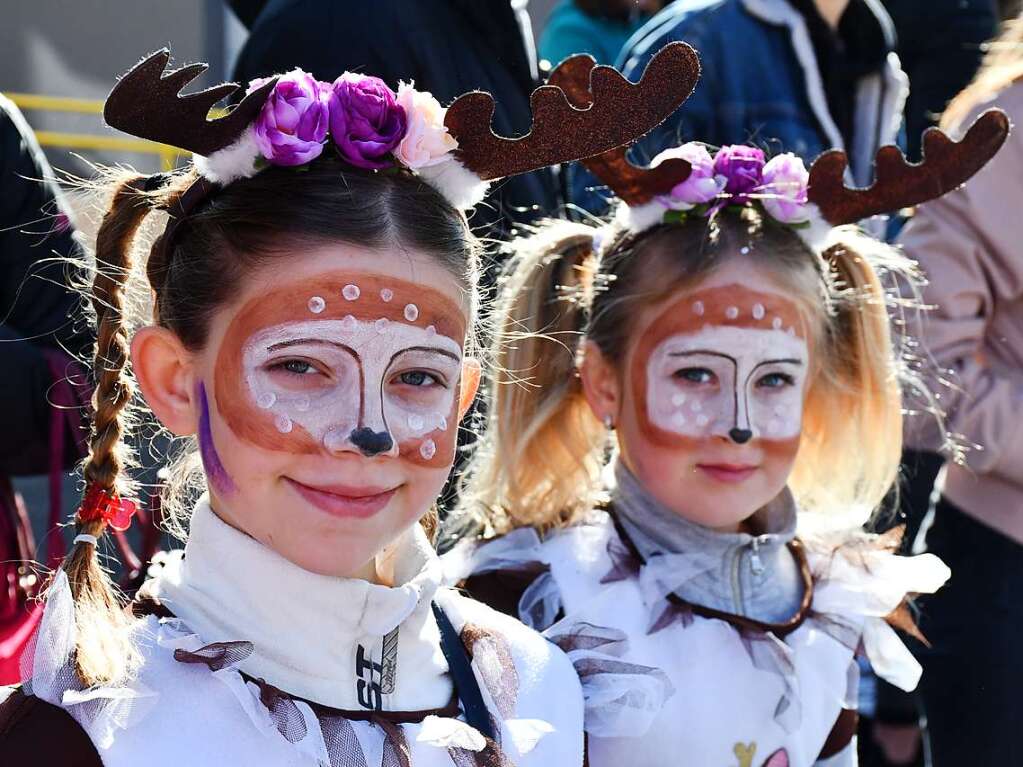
(744, 250)
(442, 423)
(386, 295)
(283, 424)
(428, 449)
(732, 312)
(698, 308)
(317, 304)
(696, 407)
(351, 292)
(678, 420)
(776, 323)
(302, 404)
(381, 325)
(349, 323)
(702, 420)
(411, 312)
(266, 400)
(758, 311)
(430, 330)
(415, 422)
(678, 399)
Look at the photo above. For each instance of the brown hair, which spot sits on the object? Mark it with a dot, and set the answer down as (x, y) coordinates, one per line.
(540, 461)
(243, 226)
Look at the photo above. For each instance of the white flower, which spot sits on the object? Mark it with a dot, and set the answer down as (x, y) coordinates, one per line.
(427, 141)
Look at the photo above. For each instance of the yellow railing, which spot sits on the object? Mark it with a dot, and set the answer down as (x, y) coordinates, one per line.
(89, 141)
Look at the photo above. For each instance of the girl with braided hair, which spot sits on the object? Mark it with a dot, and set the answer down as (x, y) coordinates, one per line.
(726, 340)
(313, 298)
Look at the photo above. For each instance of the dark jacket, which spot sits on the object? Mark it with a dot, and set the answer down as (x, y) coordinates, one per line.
(40, 321)
(761, 84)
(447, 47)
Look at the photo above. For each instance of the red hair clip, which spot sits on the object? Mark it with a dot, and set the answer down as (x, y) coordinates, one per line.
(110, 507)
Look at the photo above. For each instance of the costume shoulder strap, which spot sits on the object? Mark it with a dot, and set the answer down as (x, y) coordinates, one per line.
(33, 731)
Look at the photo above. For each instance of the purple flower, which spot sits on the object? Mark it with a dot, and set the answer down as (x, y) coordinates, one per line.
(701, 186)
(783, 193)
(366, 121)
(292, 125)
(741, 166)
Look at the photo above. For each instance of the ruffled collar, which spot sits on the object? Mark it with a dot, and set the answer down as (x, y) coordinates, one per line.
(309, 631)
(752, 576)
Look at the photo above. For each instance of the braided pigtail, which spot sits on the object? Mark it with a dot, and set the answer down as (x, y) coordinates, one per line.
(103, 652)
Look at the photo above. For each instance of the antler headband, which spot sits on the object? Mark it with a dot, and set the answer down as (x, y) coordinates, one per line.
(687, 179)
(284, 120)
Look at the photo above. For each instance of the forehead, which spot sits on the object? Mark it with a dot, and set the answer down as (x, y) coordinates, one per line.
(736, 342)
(346, 296)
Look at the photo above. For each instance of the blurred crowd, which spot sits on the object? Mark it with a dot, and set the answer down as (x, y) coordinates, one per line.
(797, 76)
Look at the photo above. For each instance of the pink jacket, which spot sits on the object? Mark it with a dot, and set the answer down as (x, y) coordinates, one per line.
(970, 246)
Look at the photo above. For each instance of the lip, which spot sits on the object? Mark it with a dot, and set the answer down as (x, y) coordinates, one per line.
(344, 500)
(732, 473)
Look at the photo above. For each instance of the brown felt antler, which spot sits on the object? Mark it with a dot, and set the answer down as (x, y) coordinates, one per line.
(631, 184)
(613, 113)
(146, 103)
(900, 184)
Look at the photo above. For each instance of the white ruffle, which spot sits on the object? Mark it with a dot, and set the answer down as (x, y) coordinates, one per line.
(859, 579)
(639, 218)
(458, 185)
(233, 162)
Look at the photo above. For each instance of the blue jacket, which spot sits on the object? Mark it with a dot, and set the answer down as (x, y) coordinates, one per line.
(760, 84)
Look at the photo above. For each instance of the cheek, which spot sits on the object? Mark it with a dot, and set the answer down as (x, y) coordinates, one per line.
(427, 434)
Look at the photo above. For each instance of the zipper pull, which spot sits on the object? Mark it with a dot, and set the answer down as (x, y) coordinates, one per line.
(754, 560)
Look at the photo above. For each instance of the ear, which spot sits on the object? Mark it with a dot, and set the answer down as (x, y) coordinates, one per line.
(469, 385)
(163, 368)
(600, 383)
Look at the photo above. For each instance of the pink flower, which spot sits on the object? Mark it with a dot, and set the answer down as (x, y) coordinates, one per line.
(427, 141)
(783, 193)
(701, 186)
(366, 121)
(292, 124)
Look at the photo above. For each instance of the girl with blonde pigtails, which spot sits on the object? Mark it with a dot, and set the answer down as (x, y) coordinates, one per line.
(313, 308)
(727, 336)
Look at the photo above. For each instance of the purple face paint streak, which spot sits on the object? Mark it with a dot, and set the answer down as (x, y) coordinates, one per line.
(215, 472)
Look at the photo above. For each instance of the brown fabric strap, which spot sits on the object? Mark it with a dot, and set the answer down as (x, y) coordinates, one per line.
(780, 630)
(33, 731)
(841, 734)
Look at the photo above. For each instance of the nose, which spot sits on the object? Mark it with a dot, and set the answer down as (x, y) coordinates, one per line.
(740, 436)
(371, 442)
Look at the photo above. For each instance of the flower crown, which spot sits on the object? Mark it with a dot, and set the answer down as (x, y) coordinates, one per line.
(685, 180)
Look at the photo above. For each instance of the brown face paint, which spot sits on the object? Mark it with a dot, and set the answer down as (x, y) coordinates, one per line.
(365, 330)
(708, 329)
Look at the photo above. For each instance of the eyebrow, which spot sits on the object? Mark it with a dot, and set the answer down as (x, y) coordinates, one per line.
(788, 360)
(428, 349)
(300, 341)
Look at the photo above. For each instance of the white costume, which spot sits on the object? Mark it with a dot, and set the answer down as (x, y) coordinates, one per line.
(668, 681)
(264, 663)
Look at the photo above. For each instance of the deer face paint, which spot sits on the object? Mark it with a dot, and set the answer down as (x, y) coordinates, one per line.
(716, 384)
(354, 363)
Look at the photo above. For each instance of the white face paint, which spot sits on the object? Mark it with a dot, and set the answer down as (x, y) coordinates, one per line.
(349, 385)
(723, 378)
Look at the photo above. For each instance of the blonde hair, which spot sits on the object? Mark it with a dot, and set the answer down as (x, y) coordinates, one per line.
(539, 463)
(1002, 66)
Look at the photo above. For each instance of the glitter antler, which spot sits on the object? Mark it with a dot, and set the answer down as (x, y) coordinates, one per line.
(630, 183)
(599, 112)
(147, 103)
(900, 184)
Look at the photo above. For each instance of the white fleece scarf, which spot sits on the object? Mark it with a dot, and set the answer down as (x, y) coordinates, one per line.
(311, 631)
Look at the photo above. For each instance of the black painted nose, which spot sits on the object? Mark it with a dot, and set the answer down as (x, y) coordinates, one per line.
(371, 442)
(740, 436)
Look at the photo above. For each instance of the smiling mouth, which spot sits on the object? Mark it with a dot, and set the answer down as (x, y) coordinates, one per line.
(727, 472)
(341, 501)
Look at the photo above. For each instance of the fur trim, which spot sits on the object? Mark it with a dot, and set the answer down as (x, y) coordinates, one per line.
(815, 235)
(639, 218)
(459, 185)
(232, 162)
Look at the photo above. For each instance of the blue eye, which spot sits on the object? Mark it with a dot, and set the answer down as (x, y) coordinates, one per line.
(418, 378)
(776, 381)
(294, 367)
(695, 375)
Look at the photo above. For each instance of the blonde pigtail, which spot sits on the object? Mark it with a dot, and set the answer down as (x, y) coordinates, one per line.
(103, 652)
(539, 464)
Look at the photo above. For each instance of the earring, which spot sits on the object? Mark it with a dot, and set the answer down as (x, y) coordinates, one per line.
(609, 422)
